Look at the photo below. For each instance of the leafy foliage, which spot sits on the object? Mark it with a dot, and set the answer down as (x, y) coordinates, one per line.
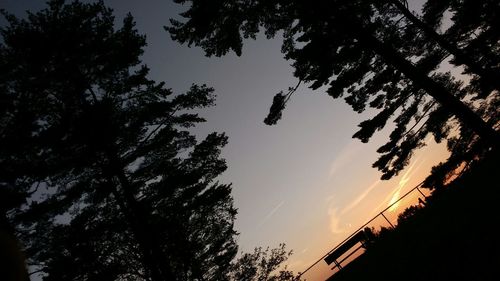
(386, 58)
(115, 186)
(263, 265)
(276, 109)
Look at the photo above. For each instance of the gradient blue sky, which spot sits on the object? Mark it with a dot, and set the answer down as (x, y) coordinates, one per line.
(304, 182)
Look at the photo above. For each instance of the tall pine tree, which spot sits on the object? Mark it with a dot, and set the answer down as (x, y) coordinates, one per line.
(105, 181)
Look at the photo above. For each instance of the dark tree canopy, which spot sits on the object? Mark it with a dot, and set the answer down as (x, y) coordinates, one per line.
(374, 54)
(104, 179)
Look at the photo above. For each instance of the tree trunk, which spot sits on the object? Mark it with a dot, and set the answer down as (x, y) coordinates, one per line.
(12, 259)
(153, 258)
(488, 76)
(466, 115)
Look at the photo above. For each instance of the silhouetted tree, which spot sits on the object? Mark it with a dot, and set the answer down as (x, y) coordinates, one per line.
(473, 29)
(408, 214)
(471, 35)
(265, 265)
(430, 24)
(368, 52)
(105, 182)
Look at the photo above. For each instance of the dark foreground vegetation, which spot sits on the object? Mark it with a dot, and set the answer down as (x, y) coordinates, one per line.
(454, 237)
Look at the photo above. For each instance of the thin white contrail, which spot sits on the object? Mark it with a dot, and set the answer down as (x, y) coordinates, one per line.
(271, 213)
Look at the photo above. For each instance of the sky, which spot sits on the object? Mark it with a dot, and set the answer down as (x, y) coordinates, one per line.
(304, 181)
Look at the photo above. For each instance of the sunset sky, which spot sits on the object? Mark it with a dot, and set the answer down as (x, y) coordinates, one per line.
(304, 181)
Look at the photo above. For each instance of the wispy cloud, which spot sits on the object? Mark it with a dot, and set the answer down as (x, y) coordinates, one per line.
(360, 198)
(395, 194)
(346, 156)
(335, 226)
(402, 183)
(334, 215)
(271, 213)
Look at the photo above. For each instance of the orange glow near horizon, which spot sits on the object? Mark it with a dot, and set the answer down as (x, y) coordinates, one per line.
(343, 218)
(402, 183)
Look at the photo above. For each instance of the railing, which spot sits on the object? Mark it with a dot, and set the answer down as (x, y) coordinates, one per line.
(344, 244)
